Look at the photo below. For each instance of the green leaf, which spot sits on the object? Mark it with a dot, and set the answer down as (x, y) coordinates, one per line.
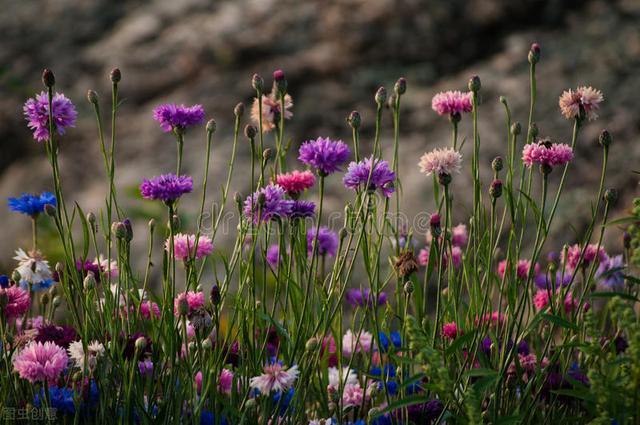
(85, 233)
(459, 342)
(480, 372)
(607, 294)
(559, 321)
(622, 220)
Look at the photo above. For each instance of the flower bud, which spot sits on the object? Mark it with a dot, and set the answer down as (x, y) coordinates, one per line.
(57, 301)
(211, 126)
(626, 240)
(129, 230)
(15, 276)
(89, 281)
(118, 229)
(533, 131)
(381, 96)
(495, 190)
(59, 268)
(238, 111)
(215, 295)
(91, 219)
(354, 119)
(207, 344)
(605, 139)
(391, 102)
(503, 100)
(516, 128)
(611, 196)
(534, 54)
(45, 298)
(497, 164)
(434, 224)
(250, 404)
(141, 343)
(444, 179)
(183, 307)
(115, 75)
(48, 79)
(257, 83)
(250, 131)
(372, 413)
(175, 221)
(238, 199)
(343, 233)
(92, 97)
(280, 81)
(266, 154)
(400, 87)
(50, 210)
(262, 199)
(408, 287)
(312, 344)
(474, 84)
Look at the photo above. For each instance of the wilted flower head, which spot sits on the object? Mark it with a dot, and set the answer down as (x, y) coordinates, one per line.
(39, 362)
(167, 187)
(586, 98)
(274, 378)
(296, 181)
(31, 205)
(195, 301)
(185, 245)
(36, 111)
(275, 205)
(324, 154)
(18, 302)
(34, 270)
(271, 108)
(359, 174)
(443, 161)
(452, 103)
(546, 153)
(178, 117)
(327, 241)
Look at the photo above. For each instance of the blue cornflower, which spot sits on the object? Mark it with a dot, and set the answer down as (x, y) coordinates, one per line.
(4, 281)
(61, 399)
(31, 204)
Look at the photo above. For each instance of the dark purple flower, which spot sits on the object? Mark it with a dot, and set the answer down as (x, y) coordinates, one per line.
(361, 297)
(62, 335)
(275, 205)
(36, 111)
(130, 346)
(88, 266)
(327, 241)
(324, 154)
(359, 173)
(303, 209)
(423, 413)
(273, 255)
(167, 187)
(172, 116)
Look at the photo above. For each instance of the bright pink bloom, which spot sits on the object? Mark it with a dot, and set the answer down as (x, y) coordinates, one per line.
(194, 299)
(450, 330)
(146, 307)
(38, 362)
(198, 381)
(545, 153)
(352, 395)
(18, 301)
(184, 245)
(522, 268)
(296, 181)
(225, 381)
(586, 97)
(591, 253)
(541, 299)
(452, 103)
(492, 318)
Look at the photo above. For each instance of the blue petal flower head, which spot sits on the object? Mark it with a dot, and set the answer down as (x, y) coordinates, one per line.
(396, 339)
(31, 204)
(208, 418)
(384, 342)
(60, 398)
(37, 286)
(284, 405)
(4, 281)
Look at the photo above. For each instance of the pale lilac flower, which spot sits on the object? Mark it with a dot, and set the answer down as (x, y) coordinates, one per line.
(185, 245)
(36, 111)
(327, 241)
(324, 154)
(39, 362)
(271, 108)
(178, 117)
(587, 98)
(611, 274)
(459, 235)
(361, 297)
(275, 378)
(522, 268)
(351, 344)
(452, 103)
(359, 174)
(443, 161)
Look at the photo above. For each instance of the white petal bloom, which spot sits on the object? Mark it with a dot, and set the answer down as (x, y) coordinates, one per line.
(349, 377)
(95, 350)
(441, 161)
(33, 268)
(275, 378)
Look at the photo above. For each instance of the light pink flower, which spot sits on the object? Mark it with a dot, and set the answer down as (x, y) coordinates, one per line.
(423, 257)
(492, 318)
(522, 268)
(450, 330)
(225, 381)
(587, 97)
(18, 301)
(452, 102)
(546, 153)
(271, 110)
(352, 395)
(275, 378)
(110, 269)
(38, 362)
(337, 378)
(296, 181)
(459, 235)
(194, 299)
(352, 344)
(440, 161)
(184, 245)
(591, 253)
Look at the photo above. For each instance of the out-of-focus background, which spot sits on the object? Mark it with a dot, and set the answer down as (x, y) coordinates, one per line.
(335, 55)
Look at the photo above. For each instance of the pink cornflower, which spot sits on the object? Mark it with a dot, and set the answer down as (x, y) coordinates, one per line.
(39, 362)
(522, 268)
(184, 245)
(275, 378)
(452, 103)
(271, 110)
(492, 318)
(352, 395)
(195, 300)
(591, 253)
(296, 181)
(459, 235)
(586, 97)
(352, 344)
(455, 254)
(146, 307)
(450, 330)
(546, 153)
(423, 257)
(18, 301)
(225, 381)
(541, 299)
(444, 161)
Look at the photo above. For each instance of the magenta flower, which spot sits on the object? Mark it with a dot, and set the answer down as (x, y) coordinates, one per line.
(273, 255)
(522, 268)
(359, 174)
(167, 187)
(178, 117)
(459, 235)
(591, 253)
(296, 182)
(547, 154)
(195, 300)
(225, 381)
(39, 362)
(147, 308)
(18, 302)
(36, 111)
(275, 205)
(586, 98)
(324, 154)
(185, 245)
(450, 330)
(452, 103)
(327, 241)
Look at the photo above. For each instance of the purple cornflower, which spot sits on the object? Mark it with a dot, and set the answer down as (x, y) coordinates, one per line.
(273, 255)
(611, 272)
(275, 205)
(303, 209)
(324, 154)
(178, 117)
(167, 187)
(327, 241)
(36, 111)
(360, 297)
(381, 178)
(62, 335)
(544, 280)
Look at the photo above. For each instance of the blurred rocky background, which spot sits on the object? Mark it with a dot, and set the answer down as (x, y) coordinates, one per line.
(335, 55)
